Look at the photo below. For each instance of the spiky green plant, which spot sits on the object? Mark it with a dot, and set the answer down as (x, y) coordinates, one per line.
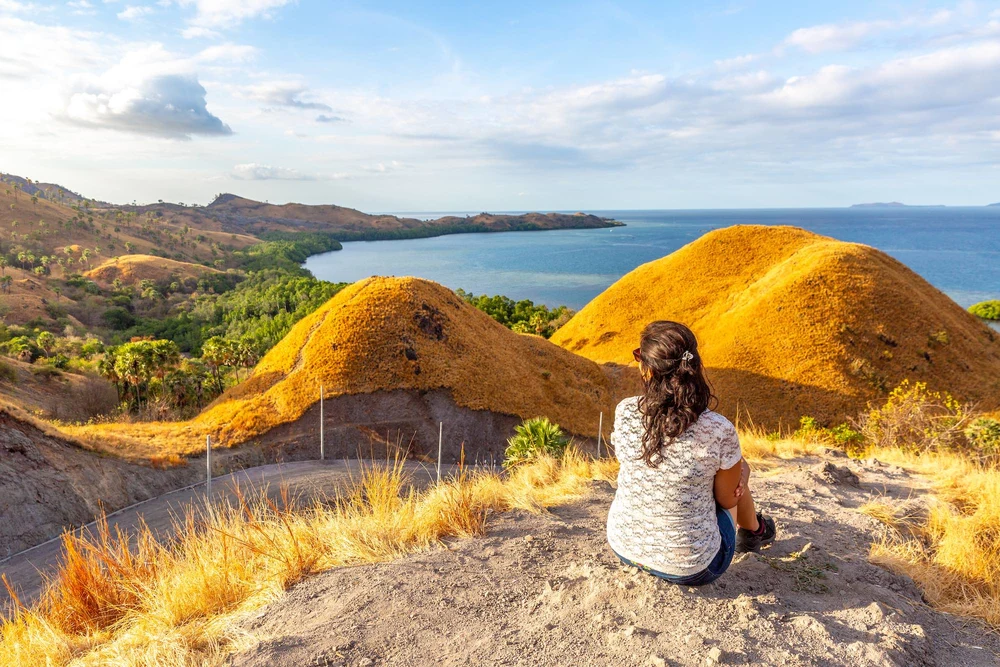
(533, 437)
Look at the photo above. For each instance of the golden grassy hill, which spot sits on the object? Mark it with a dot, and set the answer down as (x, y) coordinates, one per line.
(406, 333)
(383, 334)
(133, 268)
(793, 323)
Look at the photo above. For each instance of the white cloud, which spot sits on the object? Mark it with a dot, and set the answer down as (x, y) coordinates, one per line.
(948, 77)
(167, 105)
(28, 49)
(81, 7)
(739, 62)
(199, 32)
(237, 53)
(831, 37)
(221, 14)
(134, 12)
(383, 167)
(252, 171)
(149, 91)
(283, 94)
(15, 7)
(844, 36)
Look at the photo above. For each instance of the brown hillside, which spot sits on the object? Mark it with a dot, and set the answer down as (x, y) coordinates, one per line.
(405, 333)
(231, 213)
(792, 323)
(61, 396)
(133, 268)
(30, 299)
(47, 228)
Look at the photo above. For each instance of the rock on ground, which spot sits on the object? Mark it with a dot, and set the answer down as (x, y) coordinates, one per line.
(546, 590)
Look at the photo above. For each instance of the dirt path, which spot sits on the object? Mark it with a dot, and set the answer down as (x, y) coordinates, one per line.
(304, 480)
(545, 590)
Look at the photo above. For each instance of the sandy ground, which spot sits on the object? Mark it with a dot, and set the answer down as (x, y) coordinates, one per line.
(546, 590)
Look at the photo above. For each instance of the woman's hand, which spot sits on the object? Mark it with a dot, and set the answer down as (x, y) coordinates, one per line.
(744, 478)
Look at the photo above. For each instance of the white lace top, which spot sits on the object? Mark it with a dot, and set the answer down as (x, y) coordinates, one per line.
(664, 517)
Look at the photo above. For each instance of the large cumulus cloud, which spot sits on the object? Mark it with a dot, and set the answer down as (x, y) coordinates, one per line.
(168, 105)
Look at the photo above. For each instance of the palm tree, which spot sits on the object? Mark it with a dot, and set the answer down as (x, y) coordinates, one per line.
(5, 282)
(3, 265)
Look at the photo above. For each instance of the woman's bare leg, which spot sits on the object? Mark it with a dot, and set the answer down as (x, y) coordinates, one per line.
(746, 512)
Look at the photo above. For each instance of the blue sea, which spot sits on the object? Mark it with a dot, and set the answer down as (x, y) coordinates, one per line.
(956, 249)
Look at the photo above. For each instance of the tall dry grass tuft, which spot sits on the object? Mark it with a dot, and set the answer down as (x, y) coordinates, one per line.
(762, 447)
(953, 553)
(177, 604)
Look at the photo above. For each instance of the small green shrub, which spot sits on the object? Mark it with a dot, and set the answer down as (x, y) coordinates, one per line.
(809, 429)
(917, 419)
(532, 438)
(842, 435)
(984, 438)
(118, 319)
(988, 310)
(60, 361)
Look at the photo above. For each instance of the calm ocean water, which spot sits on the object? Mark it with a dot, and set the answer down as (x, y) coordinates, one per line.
(955, 249)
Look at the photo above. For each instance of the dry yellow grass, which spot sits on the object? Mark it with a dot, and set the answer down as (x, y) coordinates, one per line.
(954, 552)
(175, 604)
(134, 268)
(793, 323)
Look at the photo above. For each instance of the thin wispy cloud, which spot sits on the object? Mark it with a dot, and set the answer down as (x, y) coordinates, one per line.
(223, 14)
(134, 12)
(284, 94)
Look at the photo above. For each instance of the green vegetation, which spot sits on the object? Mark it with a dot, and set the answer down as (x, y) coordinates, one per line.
(258, 312)
(841, 435)
(916, 420)
(988, 310)
(284, 251)
(175, 344)
(139, 368)
(521, 316)
(534, 438)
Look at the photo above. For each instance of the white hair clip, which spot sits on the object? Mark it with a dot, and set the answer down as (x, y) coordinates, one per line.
(687, 356)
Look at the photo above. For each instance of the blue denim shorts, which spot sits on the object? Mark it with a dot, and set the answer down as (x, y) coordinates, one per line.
(715, 569)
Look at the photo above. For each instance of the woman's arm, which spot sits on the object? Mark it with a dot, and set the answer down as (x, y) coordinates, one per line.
(730, 484)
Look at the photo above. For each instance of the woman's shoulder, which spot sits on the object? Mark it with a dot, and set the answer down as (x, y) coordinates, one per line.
(627, 406)
(713, 421)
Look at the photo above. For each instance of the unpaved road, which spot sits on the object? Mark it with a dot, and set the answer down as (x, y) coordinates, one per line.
(304, 480)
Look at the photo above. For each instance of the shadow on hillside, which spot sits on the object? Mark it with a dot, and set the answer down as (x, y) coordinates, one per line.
(775, 404)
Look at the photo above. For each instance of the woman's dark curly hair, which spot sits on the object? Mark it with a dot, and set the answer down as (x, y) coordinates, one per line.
(676, 391)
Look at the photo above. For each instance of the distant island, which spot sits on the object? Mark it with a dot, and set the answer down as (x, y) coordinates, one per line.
(895, 204)
(997, 204)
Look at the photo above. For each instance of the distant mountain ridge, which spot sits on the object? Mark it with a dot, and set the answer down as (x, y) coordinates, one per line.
(50, 191)
(232, 213)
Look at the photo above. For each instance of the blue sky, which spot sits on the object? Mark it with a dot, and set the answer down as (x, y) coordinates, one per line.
(516, 105)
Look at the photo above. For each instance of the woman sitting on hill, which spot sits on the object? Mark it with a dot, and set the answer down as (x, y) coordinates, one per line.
(682, 484)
